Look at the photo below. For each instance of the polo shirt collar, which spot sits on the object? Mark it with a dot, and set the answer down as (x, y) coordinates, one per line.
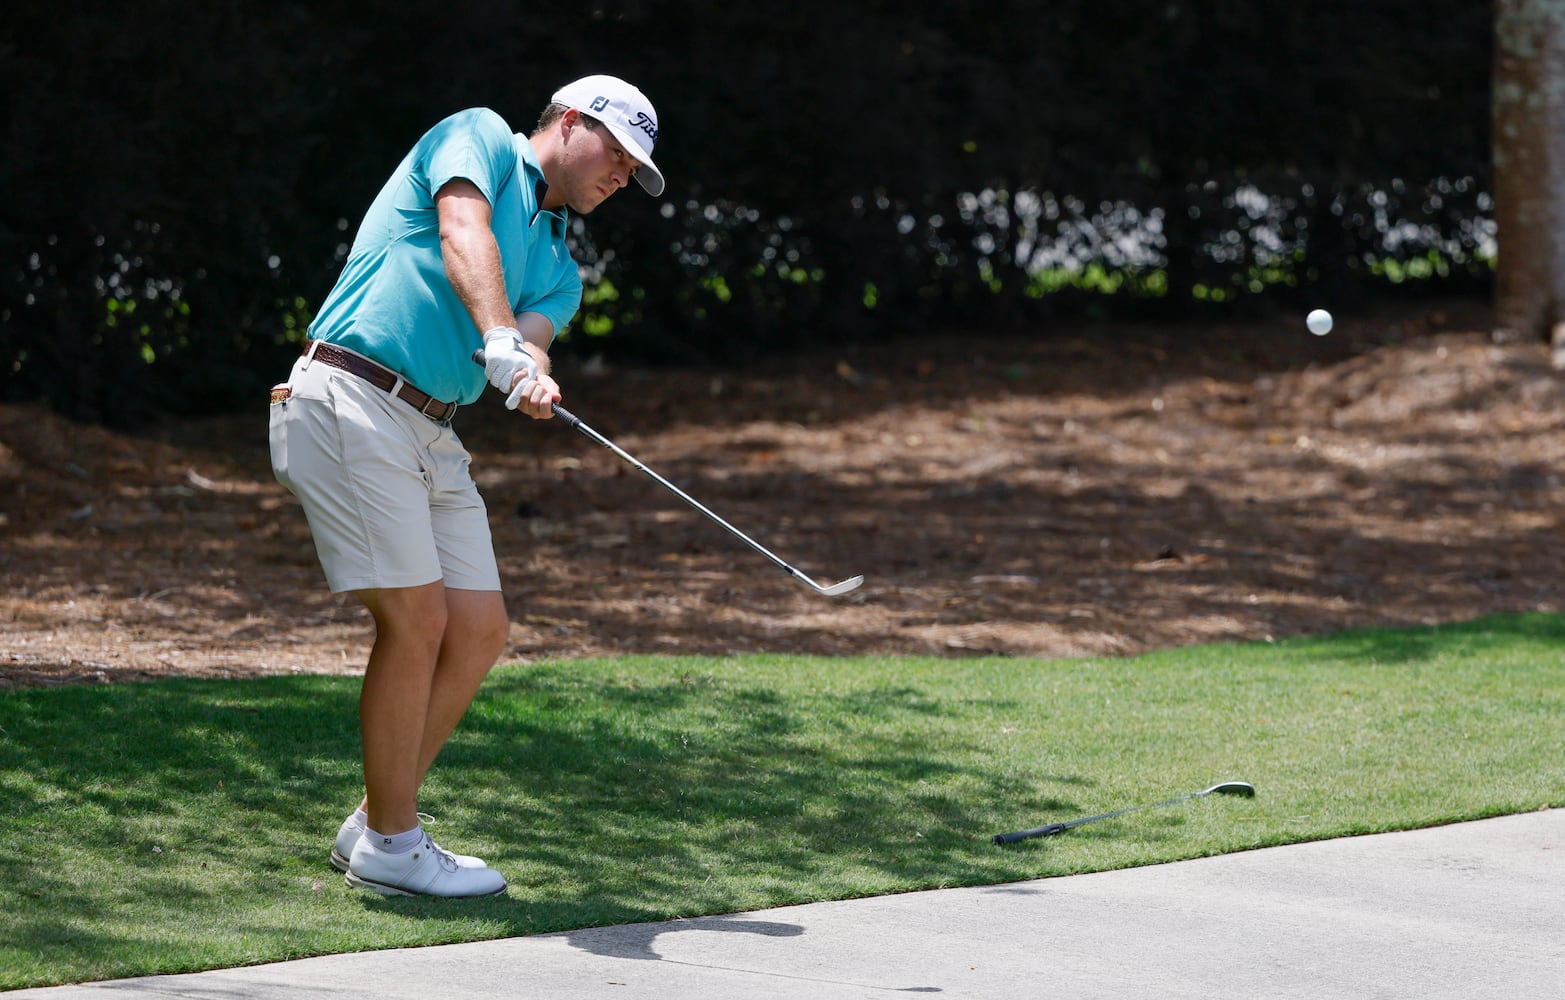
(540, 189)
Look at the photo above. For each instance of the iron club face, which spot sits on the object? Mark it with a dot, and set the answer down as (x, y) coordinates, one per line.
(838, 589)
(1243, 788)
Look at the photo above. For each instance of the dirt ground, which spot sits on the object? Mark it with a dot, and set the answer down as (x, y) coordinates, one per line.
(1098, 491)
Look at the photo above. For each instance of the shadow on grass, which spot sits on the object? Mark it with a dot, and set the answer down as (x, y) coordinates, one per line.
(1524, 632)
(137, 810)
(708, 791)
(156, 819)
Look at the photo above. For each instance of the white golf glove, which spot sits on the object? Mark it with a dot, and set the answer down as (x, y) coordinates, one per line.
(504, 359)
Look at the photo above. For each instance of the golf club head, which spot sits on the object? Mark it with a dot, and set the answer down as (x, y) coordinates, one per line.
(837, 589)
(1234, 788)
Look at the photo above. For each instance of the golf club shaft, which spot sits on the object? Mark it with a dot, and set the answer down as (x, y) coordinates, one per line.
(1227, 788)
(592, 435)
(1053, 828)
(636, 463)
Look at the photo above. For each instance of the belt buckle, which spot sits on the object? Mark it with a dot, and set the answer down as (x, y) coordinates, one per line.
(445, 409)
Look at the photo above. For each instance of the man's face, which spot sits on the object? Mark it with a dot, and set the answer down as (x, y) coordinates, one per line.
(595, 165)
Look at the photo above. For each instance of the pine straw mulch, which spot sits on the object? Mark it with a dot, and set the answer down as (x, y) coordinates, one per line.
(1097, 491)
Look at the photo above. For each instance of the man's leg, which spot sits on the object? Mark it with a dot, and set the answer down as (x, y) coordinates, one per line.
(416, 688)
(476, 629)
(395, 697)
(475, 636)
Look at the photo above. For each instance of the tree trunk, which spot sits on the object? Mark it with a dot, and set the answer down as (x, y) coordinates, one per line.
(1529, 171)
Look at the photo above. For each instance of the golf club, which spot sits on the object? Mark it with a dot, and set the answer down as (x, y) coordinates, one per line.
(1226, 788)
(833, 590)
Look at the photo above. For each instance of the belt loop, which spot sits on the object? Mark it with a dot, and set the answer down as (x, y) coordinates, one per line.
(395, 392)
(309, 355)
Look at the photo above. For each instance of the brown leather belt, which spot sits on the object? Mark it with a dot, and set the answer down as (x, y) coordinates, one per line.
(383, 379)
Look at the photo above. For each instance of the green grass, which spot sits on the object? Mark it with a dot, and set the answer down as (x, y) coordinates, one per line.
(184, 825)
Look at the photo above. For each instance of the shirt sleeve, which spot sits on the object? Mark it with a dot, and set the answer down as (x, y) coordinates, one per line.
(474, 145)
(558, 304)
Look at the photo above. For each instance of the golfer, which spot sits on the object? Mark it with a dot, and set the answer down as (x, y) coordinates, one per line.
(464, 247)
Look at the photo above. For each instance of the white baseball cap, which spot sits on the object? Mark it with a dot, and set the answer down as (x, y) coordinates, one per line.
(626, 113)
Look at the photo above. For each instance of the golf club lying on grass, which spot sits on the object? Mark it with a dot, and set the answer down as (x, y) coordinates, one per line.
(1226, 788)
(834, 590)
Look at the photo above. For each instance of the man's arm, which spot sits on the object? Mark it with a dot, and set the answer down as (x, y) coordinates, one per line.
(472, 262)
(538, 332)
(471, 255)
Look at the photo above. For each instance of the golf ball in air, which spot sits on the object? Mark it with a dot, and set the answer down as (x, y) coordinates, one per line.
(1319, 322)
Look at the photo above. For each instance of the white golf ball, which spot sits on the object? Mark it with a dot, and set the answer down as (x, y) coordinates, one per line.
(1319, 322)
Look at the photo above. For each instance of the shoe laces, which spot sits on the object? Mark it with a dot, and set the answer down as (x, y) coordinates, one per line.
(446, 858)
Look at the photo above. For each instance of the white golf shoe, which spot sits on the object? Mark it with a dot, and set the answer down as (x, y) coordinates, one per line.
(426, 870)
(353, 828)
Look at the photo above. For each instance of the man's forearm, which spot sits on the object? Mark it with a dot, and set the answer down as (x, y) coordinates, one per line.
(537, 334)
(472, 259)
(471, 255)
(472, 262)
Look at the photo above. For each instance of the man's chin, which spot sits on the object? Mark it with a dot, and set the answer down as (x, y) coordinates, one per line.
(597, 197)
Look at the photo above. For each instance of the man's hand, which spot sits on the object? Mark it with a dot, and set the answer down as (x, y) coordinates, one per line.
(535, 397)
(538, 399)
(508, 365)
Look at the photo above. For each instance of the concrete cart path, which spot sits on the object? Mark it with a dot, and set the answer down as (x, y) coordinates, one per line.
(1469, 910)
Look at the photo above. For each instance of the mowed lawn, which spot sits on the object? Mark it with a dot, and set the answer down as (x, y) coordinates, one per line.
(184, 825)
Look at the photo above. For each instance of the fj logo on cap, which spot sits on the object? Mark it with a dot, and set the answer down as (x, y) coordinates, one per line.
(599, 103)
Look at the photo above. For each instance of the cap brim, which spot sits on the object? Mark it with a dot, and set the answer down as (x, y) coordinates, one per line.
(649, 176)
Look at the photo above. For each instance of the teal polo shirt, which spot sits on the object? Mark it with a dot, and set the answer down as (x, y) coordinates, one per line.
(393, 302)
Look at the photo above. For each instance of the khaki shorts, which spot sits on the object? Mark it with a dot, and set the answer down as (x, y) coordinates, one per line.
(386, 490)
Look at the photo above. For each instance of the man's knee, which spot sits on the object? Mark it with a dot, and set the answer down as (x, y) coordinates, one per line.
(480, 615)
(416, 615)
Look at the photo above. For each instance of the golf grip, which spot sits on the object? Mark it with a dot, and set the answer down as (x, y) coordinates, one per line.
(1042, 831)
